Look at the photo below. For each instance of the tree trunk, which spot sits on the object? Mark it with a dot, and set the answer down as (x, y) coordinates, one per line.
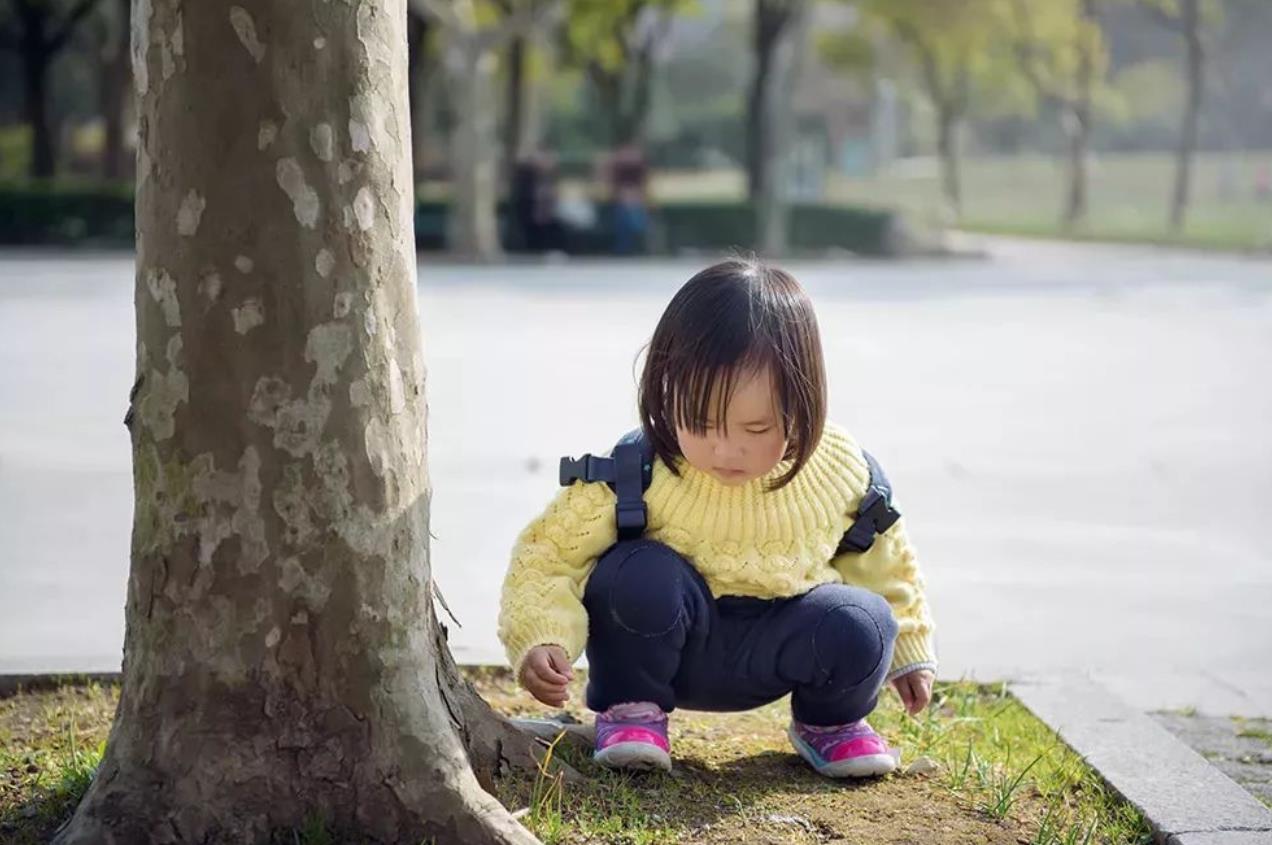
(419, 66)
(1078, 125)
(608, 92)
(759, 146)
(947, 148)
(537, 86)
(282, 656)
(632, 122)
(36, 58)
(635, 115)
(474, 150)
(515, 101)
(1077, 132)
(116, 96)
(1190, 20)
(768, 119)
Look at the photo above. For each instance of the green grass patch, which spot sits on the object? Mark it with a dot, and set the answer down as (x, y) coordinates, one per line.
(50, 745)
(999, 776)
(1260, 729)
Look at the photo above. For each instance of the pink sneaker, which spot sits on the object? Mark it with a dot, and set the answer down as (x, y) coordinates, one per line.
(633, 736)
(843, 751)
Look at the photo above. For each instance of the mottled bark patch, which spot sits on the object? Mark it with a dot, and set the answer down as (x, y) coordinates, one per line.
(190, 213)
(245, 29)
(304, 198)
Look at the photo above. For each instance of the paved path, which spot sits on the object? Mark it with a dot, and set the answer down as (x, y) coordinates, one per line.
(1080, 436)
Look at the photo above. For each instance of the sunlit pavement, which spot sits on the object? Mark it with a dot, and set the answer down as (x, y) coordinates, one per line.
(1080, 437)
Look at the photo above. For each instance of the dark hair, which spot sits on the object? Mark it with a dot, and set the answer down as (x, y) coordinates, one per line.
(735, 317)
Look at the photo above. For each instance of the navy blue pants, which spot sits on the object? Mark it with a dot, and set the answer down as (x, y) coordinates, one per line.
(655, 633)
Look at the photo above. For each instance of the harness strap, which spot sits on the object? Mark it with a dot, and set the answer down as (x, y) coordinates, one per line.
(875, 514)
(629, 469)
(627, 472)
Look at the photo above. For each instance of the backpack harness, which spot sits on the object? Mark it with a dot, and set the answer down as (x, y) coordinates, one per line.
(629, 469)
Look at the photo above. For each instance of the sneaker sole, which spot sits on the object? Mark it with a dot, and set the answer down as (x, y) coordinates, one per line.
(636, 756)
(869, 766)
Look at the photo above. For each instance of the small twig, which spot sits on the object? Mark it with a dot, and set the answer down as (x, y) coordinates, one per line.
(437, 594)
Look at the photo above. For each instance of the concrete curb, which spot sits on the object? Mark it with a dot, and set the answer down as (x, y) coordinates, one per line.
(1186, 800)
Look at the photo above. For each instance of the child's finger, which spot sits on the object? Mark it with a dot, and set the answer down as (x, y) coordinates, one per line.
(553, 696)
(547, 679)
(549, 672)
(560, 664)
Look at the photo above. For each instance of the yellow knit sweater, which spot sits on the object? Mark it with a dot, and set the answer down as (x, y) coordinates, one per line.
(744, 541)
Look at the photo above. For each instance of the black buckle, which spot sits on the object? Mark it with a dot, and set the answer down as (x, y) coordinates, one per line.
(587, 468)
(631, 516)
(876, 508)
(573, 469)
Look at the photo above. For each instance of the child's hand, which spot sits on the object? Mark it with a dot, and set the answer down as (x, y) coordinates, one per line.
(545, 673)
(915, 689)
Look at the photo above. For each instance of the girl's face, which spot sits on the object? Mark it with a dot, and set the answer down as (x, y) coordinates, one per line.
(756, 439)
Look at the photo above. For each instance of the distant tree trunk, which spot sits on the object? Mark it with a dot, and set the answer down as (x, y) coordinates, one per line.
(36, 59)
(420, 64)
(608, 89)
(949, 96)
(770, 20)
(515, 102)
(1078, 125)
(947, 124)
(1190, 20)
(474, 151)
(116, 96)
(282, 656)
(767, 111)
(634, 120)
(474, 142)
(1077, 134)
(41, 36)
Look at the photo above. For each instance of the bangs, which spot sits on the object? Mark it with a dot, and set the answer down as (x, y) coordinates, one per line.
(700, 392)
(728, 322)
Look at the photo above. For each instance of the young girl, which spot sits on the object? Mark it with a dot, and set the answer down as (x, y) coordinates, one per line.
(734, 596)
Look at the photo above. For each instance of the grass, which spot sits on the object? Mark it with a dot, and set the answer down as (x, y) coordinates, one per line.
(1259, 729)
(50, 745)
(999, 776)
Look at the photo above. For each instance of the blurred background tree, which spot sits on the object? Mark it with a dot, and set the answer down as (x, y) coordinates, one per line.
(1131, 119)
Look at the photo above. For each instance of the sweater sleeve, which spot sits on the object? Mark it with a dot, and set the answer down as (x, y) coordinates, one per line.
(542, 600)
(890, 568)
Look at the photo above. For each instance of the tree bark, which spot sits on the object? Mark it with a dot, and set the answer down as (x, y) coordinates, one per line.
(1190, 21)
(282, 656)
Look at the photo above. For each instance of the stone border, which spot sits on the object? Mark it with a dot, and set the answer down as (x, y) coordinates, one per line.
(1186, 800)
